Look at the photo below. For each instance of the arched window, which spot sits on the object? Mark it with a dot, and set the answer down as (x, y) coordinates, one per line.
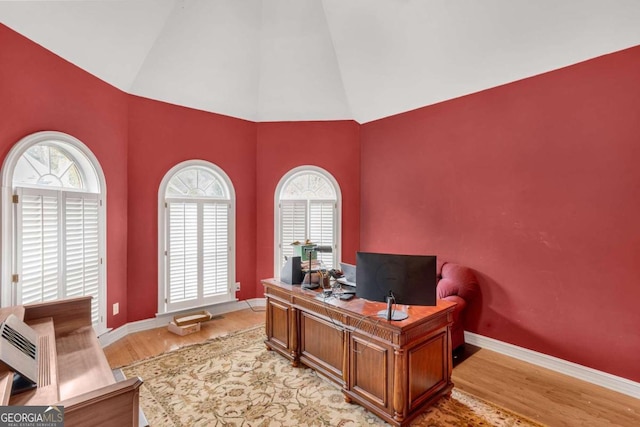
(308, 206)
(53, 218)
(196, 229)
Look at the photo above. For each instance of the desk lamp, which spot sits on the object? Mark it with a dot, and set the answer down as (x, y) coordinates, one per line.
(309, 251)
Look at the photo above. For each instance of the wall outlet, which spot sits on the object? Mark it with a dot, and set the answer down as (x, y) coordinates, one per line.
(237, 286)
(116, 308)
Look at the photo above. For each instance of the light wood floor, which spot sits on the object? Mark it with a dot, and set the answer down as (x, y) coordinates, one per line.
(540, 394)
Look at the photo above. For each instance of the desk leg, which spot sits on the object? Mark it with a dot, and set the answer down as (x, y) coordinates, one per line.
(293, 338)
(346, 342)
(399, 385)
(267, 324)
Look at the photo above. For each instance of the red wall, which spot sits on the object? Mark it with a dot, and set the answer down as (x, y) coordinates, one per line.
(536, 186)
(283, 146)
(137, 140)
(533, 184)
(161, 136)
(40, 91)
(255, 156)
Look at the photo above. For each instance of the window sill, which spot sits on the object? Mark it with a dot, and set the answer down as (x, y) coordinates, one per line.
(197, 307)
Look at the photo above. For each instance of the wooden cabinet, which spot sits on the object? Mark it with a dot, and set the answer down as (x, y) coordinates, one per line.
(279, 327)
(73, 371)
(394, 369)
(371, 372)
(322, 346)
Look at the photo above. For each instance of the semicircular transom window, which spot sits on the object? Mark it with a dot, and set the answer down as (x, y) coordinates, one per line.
(308, 185)
(46, 165)
(197, 182)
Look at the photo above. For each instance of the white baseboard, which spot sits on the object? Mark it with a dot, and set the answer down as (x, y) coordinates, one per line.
(162, 320)
(584, 373)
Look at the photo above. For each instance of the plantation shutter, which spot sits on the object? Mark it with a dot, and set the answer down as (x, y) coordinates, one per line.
(215, 248)
(321, 227)
(293, 225)
(58, 246)
(81, 248)
(38, 245)
(182, 251)
(197, 251)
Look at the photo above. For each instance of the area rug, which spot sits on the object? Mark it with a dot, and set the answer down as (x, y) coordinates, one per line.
(235, 381)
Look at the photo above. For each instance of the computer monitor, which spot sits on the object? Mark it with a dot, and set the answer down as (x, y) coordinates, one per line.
(399, 279)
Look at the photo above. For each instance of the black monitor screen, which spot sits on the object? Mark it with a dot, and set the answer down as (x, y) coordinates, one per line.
(410, 278)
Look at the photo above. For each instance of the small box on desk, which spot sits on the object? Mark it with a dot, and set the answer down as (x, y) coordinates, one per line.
(184, 330)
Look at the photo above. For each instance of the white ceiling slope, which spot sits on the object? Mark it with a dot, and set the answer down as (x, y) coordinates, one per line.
(269, 60)
(300, 77)
(207, 57)
(109, 39)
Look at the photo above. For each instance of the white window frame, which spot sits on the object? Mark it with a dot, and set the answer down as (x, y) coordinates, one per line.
(284, 181)
(8, 292)
(163, 228)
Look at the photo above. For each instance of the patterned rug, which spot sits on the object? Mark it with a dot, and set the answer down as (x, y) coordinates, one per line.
(235, 381)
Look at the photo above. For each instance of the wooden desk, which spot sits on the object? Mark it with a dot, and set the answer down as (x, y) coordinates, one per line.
(394, 369)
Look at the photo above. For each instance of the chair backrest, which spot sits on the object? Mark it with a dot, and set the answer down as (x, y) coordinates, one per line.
(455, 279)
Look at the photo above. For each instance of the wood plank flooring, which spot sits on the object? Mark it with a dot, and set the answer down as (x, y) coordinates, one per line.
(145, 344)
(540, 394)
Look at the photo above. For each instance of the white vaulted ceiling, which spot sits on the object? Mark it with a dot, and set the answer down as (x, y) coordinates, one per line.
(268, 60)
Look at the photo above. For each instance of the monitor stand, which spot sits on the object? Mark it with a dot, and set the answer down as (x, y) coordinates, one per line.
(390, 313)
(395, 315)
